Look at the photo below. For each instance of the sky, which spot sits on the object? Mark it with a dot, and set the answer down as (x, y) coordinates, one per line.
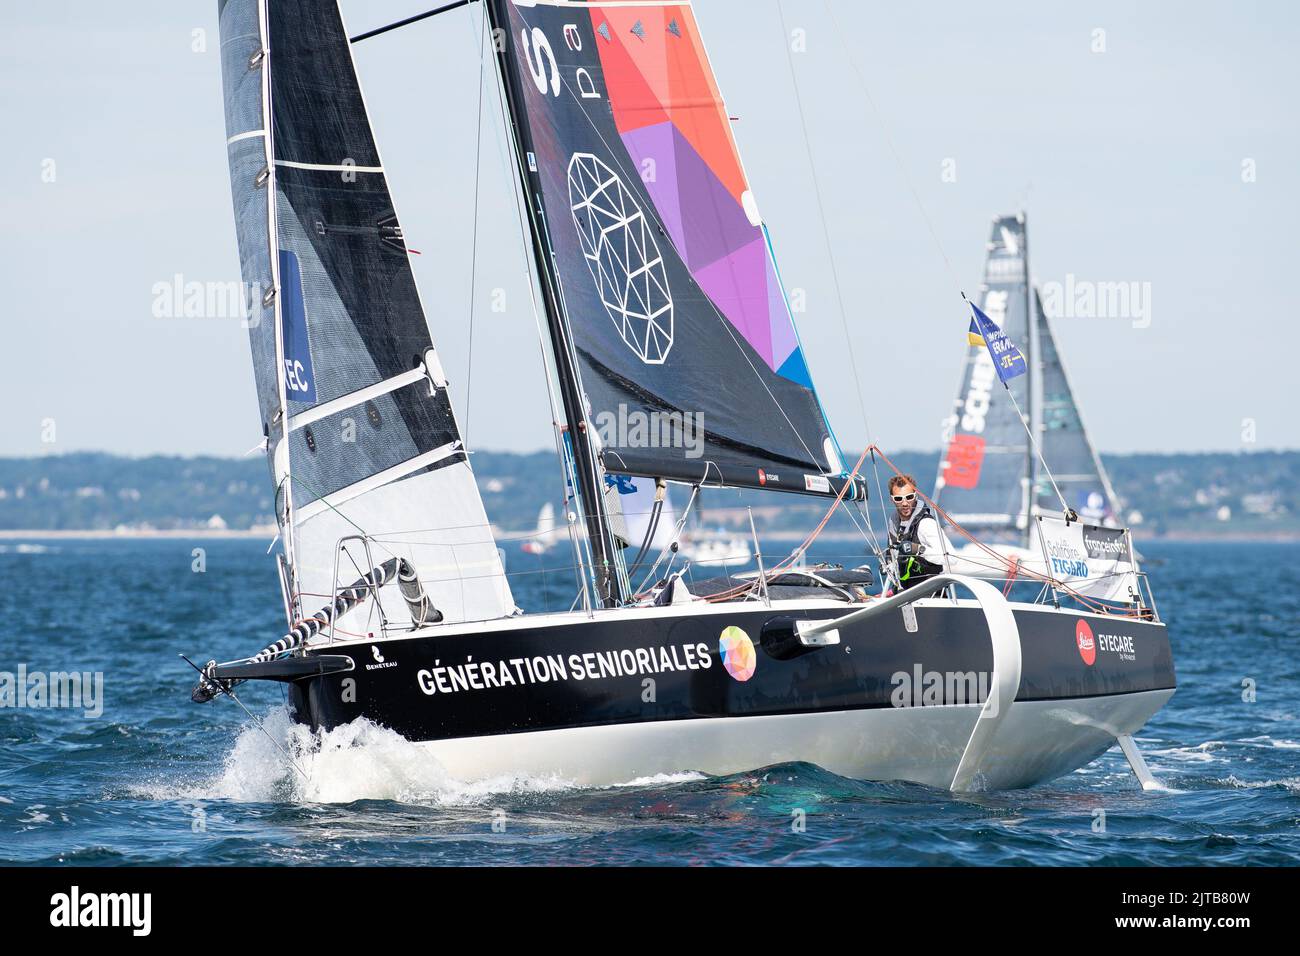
(1150, 143)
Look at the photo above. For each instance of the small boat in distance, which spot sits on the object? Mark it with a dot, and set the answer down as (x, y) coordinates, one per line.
(545, 535)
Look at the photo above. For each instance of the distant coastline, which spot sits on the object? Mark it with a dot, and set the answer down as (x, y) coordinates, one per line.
(1205, 496)
(38, 534)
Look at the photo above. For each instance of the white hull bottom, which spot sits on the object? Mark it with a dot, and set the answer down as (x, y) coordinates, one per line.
(1037, 741)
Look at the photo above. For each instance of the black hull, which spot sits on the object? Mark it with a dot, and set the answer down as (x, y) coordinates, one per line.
(437, 687)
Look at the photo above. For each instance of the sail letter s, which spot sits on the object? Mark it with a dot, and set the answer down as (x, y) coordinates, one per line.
(537, 67)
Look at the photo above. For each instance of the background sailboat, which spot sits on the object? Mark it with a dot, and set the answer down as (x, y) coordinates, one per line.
(990, 480)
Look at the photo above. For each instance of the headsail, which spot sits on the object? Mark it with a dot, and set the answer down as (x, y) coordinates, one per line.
(687, 352)
(360, 430)
(985, 471)
(1065, 445)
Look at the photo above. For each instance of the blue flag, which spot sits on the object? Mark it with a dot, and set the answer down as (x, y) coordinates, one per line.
(1007, 359)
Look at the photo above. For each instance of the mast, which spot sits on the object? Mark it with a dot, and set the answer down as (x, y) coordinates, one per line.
(1031, 463)
(277, 426)
(604, 551)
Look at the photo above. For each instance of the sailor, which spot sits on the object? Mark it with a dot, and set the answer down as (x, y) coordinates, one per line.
(915, 539)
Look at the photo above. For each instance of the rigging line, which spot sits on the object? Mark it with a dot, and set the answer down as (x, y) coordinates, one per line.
(568, 476)
(256, 720)
(830, 254)
(889, 141)
(324, 499)
(785, 564)
(726, 325)
(409, 20)
(667, 550)
(262, 727)
(826, 235)
(473, 261)
(1034, 445)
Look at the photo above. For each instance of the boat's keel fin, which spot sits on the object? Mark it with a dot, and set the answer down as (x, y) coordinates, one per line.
(1136, 761)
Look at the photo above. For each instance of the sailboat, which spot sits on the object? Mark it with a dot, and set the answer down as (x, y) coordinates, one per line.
(993, 481)
(660, 303)
(546, 535)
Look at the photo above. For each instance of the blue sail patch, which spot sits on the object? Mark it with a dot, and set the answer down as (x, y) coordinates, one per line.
(299, 378)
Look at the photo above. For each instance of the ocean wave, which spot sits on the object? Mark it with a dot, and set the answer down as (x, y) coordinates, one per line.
(1291, 784)
(283, 761)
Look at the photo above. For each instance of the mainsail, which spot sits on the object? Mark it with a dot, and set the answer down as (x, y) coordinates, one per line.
(687, 354)
(984, 475)
(1064, 442)
(360, 432)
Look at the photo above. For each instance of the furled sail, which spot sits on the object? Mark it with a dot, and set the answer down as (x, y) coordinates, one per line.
(360, 431)
(687, 351)
(985, 471)
(1065, 445)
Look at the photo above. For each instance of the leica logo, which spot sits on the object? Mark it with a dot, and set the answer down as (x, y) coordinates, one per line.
(1086, 643)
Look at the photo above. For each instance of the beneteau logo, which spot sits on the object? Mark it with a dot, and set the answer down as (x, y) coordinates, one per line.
(624, 258)
(639, 429)
(379, 663)
(74, 908)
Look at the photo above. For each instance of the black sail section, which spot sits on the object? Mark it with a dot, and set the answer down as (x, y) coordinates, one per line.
(336, 219)
(364, 448)
(687, 353)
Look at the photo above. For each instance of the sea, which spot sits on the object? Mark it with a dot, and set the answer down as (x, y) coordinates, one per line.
(137, 774)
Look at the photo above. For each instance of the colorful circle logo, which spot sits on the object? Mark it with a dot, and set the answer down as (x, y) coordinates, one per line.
(1086, 643)
(738, 655)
